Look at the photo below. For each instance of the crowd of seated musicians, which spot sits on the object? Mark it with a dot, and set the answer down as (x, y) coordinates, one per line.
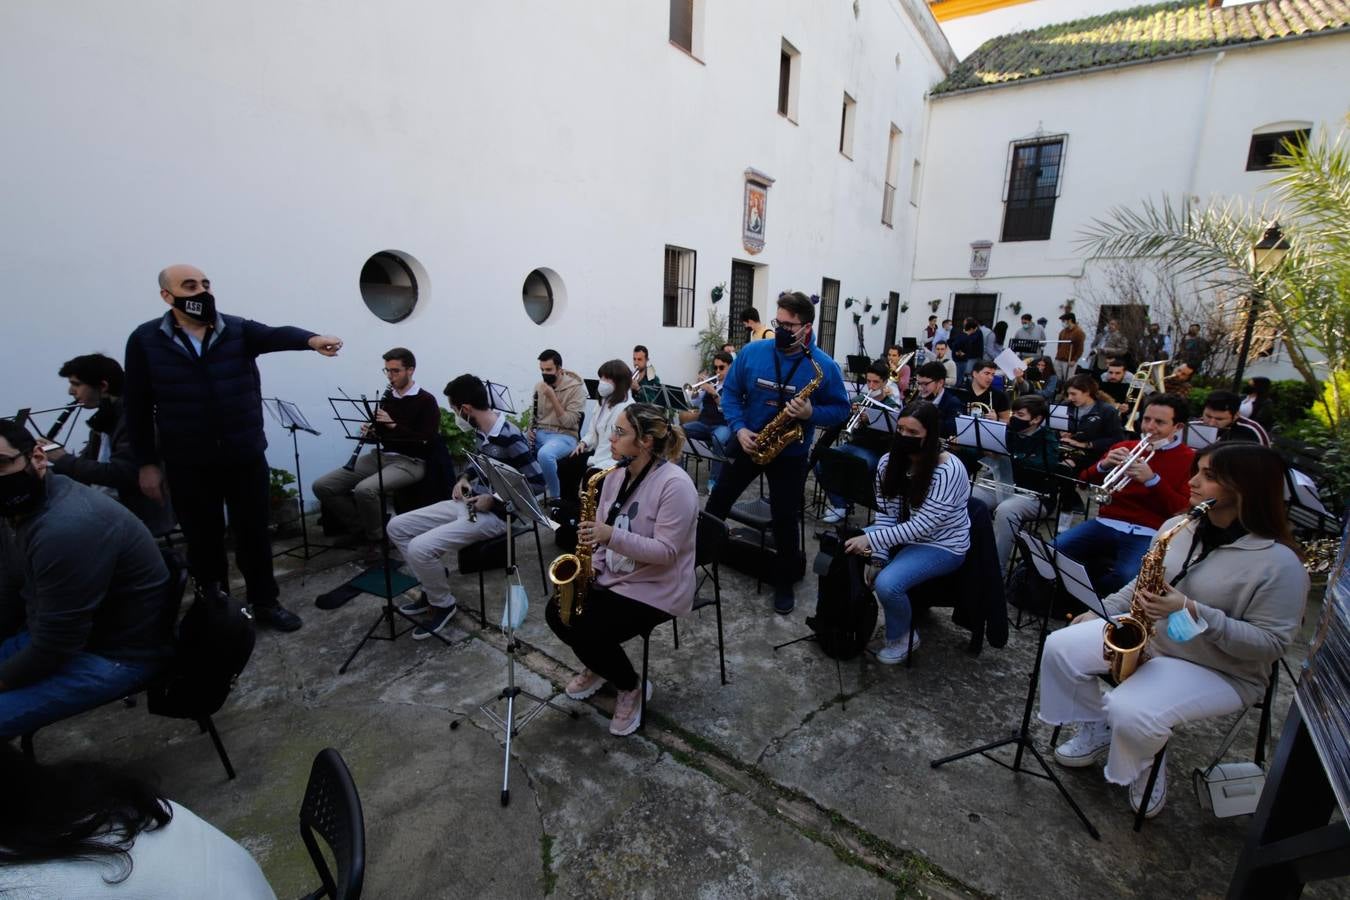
(84, 599)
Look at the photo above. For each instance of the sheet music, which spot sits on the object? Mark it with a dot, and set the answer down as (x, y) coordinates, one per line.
(1059, 417)
(1072, 575)
(1008, 362)
(287, 414)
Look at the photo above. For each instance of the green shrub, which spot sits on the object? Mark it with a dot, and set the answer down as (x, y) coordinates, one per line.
(456, 441)
(1291, 401)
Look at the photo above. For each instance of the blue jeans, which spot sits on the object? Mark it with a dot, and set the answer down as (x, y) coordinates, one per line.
(910, 565)
(85, 681)
(719, 436)
(871, 457)
(549, 448)
(1111, 557)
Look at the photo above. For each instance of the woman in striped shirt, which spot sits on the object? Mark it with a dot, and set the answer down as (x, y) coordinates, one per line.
(922, 529)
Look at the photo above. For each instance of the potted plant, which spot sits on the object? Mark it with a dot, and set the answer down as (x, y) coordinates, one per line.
(934, 304)
(456, 441)
(284, 509)
(710, 339)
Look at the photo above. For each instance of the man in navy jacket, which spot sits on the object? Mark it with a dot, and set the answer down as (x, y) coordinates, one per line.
(194, 404)
(764, 379)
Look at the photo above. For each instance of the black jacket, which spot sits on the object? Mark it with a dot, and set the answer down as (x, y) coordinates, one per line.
(975, 590)
(207, 408)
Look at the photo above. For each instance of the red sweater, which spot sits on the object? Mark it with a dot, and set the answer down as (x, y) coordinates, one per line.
(1150, 507)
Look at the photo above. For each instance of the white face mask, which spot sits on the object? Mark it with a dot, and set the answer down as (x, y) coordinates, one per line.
(604, 388)
(462, 423)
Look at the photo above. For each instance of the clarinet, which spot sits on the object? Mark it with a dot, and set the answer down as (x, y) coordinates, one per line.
(61, 421)
(350, 465)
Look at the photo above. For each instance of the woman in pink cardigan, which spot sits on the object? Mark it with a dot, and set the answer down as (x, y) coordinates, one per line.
(643, 535)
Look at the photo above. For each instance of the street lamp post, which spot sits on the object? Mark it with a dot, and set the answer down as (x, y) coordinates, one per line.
(1266, 255)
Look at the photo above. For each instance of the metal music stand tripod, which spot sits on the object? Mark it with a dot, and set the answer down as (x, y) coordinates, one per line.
(1047, 562)
(382, 580)
(514, 492)
(289, 416)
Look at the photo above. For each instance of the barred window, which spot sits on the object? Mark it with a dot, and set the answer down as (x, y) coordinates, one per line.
(677, 308)
(1032, 185)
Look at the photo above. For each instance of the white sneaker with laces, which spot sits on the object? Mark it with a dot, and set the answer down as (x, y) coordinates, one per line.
(897, 651)
(1090, 742)
(1159, 795)
(834, 514)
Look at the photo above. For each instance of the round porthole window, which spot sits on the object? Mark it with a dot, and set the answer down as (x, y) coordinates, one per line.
(542, 289)
(389, 286)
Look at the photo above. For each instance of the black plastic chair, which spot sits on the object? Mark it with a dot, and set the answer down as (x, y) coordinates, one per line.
(709, 541)
(332, 809)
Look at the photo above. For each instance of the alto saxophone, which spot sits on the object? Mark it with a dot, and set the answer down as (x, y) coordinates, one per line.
(784, 428)
(1125, 640)
(571, 573)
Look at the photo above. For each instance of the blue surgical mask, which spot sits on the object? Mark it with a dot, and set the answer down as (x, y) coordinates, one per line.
(1181, 627)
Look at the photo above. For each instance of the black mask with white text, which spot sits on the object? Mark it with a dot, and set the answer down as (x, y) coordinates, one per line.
(197, 307)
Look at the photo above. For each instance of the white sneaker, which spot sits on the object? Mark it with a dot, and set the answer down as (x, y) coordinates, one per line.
(897, 651)
(1159, 795)
(1090, 742)
(834, 514)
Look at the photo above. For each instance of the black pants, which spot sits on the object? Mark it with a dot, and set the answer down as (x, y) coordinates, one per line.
(597, 635)
(201, 494)
(787, 481)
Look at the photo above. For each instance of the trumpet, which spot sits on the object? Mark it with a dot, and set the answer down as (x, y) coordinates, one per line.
(996, 487)
(1119, 477)
(860, 407)
(690, 390)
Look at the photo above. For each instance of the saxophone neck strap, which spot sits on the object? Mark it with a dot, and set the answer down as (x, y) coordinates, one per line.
(785, 383)
(626, 490)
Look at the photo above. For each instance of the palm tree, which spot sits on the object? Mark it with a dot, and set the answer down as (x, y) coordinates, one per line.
(1307, 293)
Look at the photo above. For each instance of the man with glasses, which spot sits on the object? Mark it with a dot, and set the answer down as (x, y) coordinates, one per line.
(86, 614)
(194, 406)
(705, 419)
(763, 381)
(932, 382)
(406, 420)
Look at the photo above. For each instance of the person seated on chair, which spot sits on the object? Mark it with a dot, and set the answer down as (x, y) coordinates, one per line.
(1230, 606)
(427, 537)
(865, 443)
(995, 403)
(897, 376)
(942, 353)
(613, 382)
(931, 380)
(1256, 403)
(1111, 545)
(86, 612)
(83, 829)
(708, 424)
(1115, 384)
(1034, 450)
(406, 419)
(1178, 381)
(1221, 412)
(923, 527)
(1094, 423)
(1040, 379)
(644, 377)
(108, 461)
(559, 400)
(643, 537)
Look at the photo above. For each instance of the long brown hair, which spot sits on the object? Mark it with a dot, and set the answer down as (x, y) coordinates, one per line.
(1255, 476)
(617, 371)
(914, 485)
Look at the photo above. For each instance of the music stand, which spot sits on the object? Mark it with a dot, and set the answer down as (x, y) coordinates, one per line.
(1199, 435)
(980, 433)
(28, 419)
(1059, 418)
(668, 397)
(592, 388)
(381, 580)
(511, 488)
(703, 452)
(1049, 564)
(289, 416)
(857, 366)
(499, 398)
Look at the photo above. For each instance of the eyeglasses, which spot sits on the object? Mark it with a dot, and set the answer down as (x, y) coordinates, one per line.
(778, 323)
(393, 371)
(719, 368)
(924, 383)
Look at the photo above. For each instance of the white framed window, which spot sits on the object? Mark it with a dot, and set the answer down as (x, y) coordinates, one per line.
(892, 176)
(789, 80)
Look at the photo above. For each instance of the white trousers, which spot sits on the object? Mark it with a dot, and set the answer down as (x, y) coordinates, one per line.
(1162, 693)
(425, 537)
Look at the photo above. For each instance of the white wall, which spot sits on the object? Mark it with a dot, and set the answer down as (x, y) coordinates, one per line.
(1179, 128)
(279, 145)
(969, 32)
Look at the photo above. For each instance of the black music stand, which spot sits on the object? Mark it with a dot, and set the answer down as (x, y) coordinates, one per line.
(28, 419)
(1064, 572)
(979, 433)
(703, 452)
(499, 398)
(511, 488)
(381, 580)
(289, 416)
(668, 397)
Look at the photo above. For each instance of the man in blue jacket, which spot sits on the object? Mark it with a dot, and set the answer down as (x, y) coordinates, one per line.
(764, 379)
(192, 382)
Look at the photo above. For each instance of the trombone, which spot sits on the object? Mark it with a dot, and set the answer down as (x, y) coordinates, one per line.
(691, 390)
(860, 407)
(1119, 477)
(895, 372)
(1139, 383)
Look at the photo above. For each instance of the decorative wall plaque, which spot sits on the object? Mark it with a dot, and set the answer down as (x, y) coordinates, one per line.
(979, 258)
(756, 209)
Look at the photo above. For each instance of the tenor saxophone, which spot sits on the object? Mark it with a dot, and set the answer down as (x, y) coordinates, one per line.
(571, 573)
(1125, 641)
(784, 428)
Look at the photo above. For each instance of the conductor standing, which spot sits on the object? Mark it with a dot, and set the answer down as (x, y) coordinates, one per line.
(194, 410)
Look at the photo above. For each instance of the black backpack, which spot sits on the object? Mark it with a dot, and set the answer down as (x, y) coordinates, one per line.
(846, 609)
(215, 640)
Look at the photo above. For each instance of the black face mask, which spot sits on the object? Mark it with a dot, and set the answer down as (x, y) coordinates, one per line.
(784, 338)
(106, 418)
(198, 307)
(1016, 425)
(907, 444)
(21, 492)
(550, 380)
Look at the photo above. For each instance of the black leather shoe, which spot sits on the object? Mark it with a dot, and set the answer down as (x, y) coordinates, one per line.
(276, 616)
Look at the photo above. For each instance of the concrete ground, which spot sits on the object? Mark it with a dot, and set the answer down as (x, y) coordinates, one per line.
(772, 785)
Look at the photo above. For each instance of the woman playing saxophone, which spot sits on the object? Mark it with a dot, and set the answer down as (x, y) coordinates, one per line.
(1226, 605)
(641, 545)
